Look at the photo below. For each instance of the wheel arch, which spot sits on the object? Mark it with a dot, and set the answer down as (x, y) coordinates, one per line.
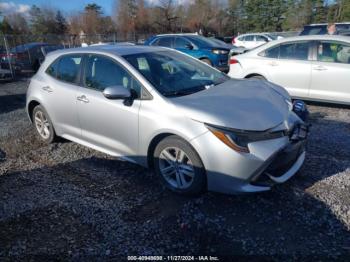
(153, 144)
(30, 107)
(255, 74)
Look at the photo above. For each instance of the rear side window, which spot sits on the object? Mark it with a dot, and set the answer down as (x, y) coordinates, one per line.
(296, 51)
(52, 69)
(69, 68)
(272, 52)
(333, 52)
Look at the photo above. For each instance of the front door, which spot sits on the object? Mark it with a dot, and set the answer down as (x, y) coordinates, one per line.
(110, 125)
(331, 72)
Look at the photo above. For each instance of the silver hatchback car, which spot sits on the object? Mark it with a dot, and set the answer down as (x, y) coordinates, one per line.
(196, 127)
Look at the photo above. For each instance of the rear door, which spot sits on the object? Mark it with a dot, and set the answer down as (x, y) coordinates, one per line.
(331, 72)
(289, 66)
(59, 92)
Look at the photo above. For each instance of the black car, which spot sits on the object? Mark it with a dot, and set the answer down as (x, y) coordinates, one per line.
(26, 57)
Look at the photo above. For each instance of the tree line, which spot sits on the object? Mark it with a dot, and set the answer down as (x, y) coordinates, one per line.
(133, 17)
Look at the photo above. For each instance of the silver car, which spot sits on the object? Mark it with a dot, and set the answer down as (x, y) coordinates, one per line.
(309, 67)
(197, 128)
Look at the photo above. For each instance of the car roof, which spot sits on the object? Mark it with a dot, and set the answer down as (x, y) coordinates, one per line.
(264, 34)
(341, 38)
(322, 24)
(110, 49)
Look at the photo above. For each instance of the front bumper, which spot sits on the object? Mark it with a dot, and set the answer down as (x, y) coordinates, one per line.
(269, 162)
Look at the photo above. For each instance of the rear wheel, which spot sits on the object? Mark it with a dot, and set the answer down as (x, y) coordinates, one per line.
(179, 166)
(43, 124)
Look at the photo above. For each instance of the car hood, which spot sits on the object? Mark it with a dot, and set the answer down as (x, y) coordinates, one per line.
(240, 104)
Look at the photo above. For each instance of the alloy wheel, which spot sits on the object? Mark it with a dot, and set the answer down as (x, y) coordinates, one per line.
(176, 167)
(42, 124)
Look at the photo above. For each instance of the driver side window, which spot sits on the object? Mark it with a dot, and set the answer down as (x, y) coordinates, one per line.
(102, 72)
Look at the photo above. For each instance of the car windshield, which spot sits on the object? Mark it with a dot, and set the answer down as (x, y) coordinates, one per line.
(175, 74)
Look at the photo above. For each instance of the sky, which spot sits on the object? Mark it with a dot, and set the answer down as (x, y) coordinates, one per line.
(67, 6)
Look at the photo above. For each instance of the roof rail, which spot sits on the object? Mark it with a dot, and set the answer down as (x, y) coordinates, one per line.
(178, 34)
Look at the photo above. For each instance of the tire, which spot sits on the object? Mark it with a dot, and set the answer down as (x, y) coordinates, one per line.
(40, 118)
(207, 61)
(260, 77)
(175, 174)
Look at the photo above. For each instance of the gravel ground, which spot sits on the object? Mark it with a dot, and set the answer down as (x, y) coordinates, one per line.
(69, 201)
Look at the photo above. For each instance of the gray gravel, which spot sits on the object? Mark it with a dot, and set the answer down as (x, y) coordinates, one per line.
(69, 201)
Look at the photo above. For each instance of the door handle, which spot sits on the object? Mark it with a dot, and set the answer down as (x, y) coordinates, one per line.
(47, 89)
(320, 68)
(83, 98)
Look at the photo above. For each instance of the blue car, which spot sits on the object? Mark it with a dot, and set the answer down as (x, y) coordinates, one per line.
(197, 46)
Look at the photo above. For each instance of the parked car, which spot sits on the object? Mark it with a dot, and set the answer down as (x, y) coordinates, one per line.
(27, 57)
(197, 46)
(234, 50)
(321, 29)
(309, 67)
(5, 74)
(197, 128)
(226, 39)
(250, 41)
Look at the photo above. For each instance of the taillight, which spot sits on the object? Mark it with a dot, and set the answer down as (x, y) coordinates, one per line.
(233, 61)
(233, 40)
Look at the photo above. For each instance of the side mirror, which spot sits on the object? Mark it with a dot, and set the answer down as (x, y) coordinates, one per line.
(117, 92)
(189, 46)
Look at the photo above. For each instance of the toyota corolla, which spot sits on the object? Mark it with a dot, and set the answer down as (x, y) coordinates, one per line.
(196, 127)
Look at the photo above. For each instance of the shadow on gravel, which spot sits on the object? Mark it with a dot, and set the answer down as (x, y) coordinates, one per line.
(10, 103)
(104, 207)
(2, 156)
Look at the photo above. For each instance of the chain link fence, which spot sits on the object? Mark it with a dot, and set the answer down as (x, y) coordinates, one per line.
(21, 55)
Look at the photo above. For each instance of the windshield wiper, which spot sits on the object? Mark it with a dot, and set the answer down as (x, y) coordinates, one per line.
(184, 92)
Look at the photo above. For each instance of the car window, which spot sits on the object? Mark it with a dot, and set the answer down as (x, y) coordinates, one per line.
(52, 69)
(314, 30)
(333, 52)
(172, 73)
(272, 52)
(165, 41)
(181, 42)
(68, 68)
(260, 38)
(102, 72)
(296, 51)
(249, 38)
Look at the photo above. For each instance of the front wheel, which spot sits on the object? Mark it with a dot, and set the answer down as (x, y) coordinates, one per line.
(179, 166)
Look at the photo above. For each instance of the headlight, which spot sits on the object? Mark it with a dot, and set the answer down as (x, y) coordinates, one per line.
(238, 140)
(220, 52)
